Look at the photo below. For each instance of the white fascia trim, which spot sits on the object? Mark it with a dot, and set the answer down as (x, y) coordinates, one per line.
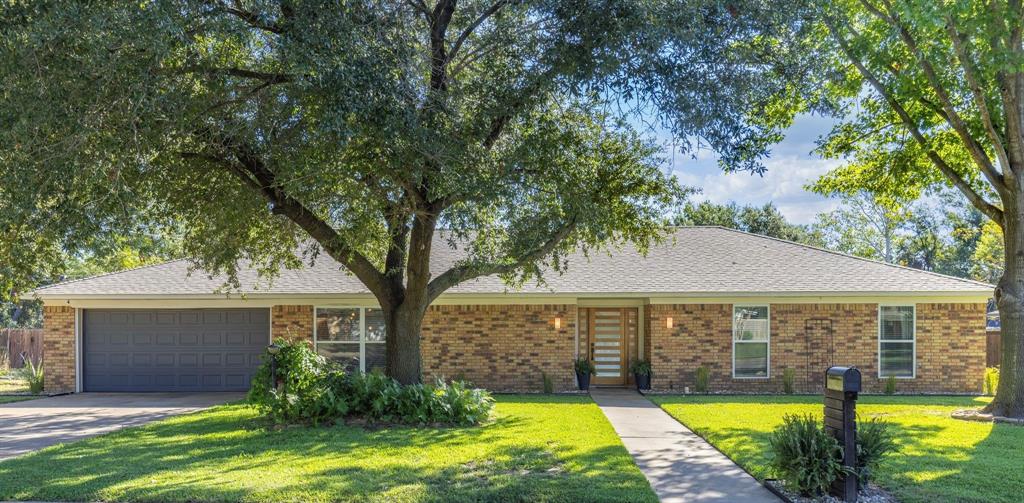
(584, 299)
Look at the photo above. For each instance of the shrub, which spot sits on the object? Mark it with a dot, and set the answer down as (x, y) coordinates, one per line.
(312, 389)
(703, 379)
(33, 374)
(549, 385)
(890, 385)
(875, 439)
(804, 456)
(306, 389)
(788, 377)
(583, 366)
(640, 367)
(991, 380)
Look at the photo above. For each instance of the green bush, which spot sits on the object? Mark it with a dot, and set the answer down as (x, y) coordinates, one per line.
(312, 389)
(788, 377)
(804, 456)
(875, 439)
(890, 385)
(308, 386)
(703, 379)
(991, 381)
(640, 367)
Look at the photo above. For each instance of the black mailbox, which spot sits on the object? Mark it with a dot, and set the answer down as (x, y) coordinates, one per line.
(841, 387)
(843, 379)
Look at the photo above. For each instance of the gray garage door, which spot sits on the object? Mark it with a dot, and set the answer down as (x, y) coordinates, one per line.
(172, 349)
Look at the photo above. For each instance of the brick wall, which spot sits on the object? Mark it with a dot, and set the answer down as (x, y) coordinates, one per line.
(292, 322)
(501, 347)
(810, 337)
(59, 348)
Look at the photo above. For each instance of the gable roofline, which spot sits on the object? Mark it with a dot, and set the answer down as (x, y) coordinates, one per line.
(841, 254)
(103, 275)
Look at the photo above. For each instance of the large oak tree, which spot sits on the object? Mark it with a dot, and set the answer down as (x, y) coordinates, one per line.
(939, 92)
(274, 131)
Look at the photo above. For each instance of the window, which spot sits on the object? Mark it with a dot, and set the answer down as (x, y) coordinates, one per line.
(750, 336)
(896, 341)
(352, 336)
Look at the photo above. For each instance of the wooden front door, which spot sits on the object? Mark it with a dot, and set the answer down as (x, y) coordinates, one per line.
(608, 346)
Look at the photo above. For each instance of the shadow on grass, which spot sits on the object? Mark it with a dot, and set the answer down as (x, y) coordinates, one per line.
(940, 458)
(227, 454)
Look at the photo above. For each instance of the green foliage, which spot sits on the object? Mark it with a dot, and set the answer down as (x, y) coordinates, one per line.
(34, 376)
(875, 439)
(703, 379)
(312, 389)
(765, 220)
(583, 365)
(804, 456)
(788, 378)
(640, 367)
(991, 383)
(307, 389)
(272, 135)
(547, 384)
(890, 385)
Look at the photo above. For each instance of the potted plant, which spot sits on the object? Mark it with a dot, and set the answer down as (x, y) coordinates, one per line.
(641, 370)
(584, 368)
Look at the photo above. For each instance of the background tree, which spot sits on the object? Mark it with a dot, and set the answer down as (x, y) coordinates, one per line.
(863, 226)
(274, 131)
(939, 92)
(766, 220)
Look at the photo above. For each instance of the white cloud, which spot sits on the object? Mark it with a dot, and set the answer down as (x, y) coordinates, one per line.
(783, 184)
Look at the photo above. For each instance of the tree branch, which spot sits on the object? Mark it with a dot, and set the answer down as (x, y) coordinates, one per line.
(439, 20)
(951, 115)
(974, 82)
(976, 199)
(495, 7)
(268, 77)
(257, 176)
(459, 273)
(250, 17)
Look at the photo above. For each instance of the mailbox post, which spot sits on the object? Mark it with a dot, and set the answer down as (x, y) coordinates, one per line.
(842, 384)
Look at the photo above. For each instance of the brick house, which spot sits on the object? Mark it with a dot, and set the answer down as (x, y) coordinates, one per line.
(745, 306)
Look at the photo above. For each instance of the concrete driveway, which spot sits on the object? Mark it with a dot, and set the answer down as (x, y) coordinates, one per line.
(34, 424)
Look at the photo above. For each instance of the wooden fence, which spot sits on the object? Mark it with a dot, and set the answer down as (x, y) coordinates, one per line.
(993, 349)
(17, 344)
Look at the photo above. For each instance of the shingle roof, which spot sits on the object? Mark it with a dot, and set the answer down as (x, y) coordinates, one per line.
(693, 261)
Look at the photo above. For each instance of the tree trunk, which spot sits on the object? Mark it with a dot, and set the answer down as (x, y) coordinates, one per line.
(403, 325)
(1009, 400)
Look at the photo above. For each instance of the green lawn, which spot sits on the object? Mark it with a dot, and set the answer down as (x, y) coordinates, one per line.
(12, 383)
(941, 459)
(9, 399)
(538, 448)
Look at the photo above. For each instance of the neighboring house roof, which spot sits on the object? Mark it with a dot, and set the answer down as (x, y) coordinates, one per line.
(693, 261)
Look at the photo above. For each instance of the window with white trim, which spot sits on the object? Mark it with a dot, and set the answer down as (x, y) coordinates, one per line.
(352, 336)
(750, 339)
(896, 341)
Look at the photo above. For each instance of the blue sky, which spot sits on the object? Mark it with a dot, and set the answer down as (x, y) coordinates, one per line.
(790, 167)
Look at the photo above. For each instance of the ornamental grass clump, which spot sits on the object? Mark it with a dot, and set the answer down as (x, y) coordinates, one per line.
(875, 439)
(311, 389)
(804, 456)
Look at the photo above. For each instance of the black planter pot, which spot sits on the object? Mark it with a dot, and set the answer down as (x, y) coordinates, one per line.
(643, 382)
(583, 380)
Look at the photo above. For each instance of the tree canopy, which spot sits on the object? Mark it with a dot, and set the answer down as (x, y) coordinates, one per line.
(273, 131)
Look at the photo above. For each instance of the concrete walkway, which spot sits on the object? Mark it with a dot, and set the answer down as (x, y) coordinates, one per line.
(680, 466)
(34, 424)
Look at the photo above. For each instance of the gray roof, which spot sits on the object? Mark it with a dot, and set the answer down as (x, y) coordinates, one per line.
(693, 261)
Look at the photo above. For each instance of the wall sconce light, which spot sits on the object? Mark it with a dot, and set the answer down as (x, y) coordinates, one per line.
(558, 322)
(668, 322)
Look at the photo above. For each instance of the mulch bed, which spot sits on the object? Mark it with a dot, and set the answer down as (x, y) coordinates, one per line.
(870, 494)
